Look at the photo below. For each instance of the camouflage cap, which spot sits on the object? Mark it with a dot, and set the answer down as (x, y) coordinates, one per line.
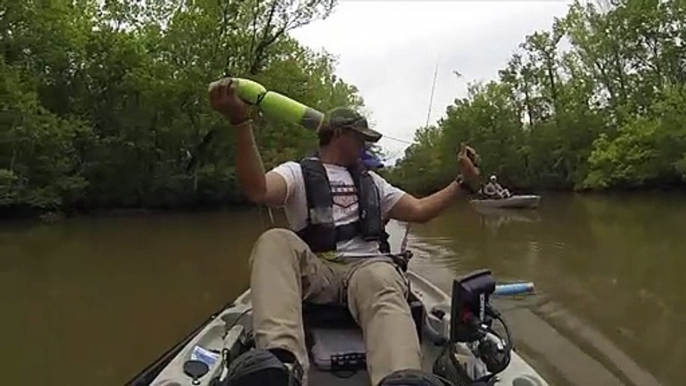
(346, 117)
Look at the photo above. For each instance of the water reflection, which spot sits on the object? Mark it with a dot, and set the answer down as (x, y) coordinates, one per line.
(615, 263)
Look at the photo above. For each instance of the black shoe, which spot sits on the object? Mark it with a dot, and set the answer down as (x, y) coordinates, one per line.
(264, 368)
(413, 378)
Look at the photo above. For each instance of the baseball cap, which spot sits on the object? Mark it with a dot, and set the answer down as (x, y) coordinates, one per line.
(347, 117)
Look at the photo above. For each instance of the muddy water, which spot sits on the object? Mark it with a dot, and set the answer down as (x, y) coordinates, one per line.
(91, 301)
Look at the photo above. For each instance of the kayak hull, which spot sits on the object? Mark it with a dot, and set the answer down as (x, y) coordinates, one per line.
(514, 202)
(224, 330)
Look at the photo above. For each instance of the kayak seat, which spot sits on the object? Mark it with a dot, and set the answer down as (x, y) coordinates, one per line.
(334, 340)
(338, 315)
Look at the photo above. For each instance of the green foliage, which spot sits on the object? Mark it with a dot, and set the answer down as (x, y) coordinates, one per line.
(609, 112)
(105, 103)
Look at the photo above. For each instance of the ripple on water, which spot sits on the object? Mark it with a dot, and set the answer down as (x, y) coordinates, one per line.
(588, 276)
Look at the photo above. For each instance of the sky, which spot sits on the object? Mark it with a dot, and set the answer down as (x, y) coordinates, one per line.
(390, 49)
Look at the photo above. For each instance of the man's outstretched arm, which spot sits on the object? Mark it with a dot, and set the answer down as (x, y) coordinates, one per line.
(421, 210)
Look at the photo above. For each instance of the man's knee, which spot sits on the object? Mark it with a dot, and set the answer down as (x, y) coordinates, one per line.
(279, 235)
(411, 377)
(378, 277)
(276, 244)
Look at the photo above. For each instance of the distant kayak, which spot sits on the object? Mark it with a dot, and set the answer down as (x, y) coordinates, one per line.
(513, 202)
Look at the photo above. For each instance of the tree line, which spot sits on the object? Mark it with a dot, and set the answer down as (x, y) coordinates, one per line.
(104, 104)
(596, 102)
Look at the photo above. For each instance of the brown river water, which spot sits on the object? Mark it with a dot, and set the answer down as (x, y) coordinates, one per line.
(93, 300)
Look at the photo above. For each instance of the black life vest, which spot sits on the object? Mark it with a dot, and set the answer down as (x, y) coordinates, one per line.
(321, 233)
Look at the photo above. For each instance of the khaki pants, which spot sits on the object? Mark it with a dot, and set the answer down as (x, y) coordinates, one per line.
(284, 272)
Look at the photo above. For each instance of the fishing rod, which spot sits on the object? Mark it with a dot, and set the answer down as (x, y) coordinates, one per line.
(431, 100)
(403, 245)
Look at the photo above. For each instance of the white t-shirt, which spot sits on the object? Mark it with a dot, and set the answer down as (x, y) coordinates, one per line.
(345, 208)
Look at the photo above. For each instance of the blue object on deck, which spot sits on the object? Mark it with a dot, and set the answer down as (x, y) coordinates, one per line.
(513, 289)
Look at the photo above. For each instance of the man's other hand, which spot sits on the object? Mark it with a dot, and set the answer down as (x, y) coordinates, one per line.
(468, 159)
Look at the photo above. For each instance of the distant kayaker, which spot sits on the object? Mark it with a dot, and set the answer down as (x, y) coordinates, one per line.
(493, 189)
(330, 254)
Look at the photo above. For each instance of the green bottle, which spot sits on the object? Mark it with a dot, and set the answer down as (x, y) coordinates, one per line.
(273, 104)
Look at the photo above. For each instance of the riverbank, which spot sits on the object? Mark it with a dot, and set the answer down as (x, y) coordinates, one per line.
(49, 216)
(522, 190)
(57, 214)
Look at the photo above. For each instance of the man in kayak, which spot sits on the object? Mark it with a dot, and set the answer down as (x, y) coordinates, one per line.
(494, 190)
(330, 254)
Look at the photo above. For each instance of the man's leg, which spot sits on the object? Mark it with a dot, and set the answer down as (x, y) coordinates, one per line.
(377, 298)
(284, 271)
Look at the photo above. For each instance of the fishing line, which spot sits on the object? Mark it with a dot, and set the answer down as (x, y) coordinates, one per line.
(398, 139)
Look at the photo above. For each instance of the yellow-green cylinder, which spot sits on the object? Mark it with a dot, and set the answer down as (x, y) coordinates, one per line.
(273, 104)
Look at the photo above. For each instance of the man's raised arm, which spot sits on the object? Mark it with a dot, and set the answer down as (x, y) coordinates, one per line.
(269, 188)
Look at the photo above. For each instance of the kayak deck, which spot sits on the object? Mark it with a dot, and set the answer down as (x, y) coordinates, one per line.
(223, 330)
